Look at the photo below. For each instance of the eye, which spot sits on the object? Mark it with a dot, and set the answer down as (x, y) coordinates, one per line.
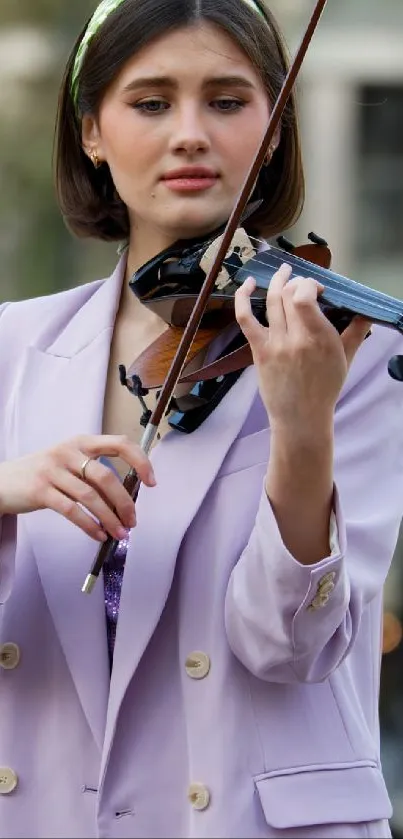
(151, 106)
(226, 104)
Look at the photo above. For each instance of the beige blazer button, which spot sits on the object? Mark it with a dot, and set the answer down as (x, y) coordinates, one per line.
(197, 665)
(326, 588)
(319, 601)
(327, 578)
(199, 796)
(8, 780)
(9, 656)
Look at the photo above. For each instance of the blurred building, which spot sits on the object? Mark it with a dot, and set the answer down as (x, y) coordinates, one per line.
(351, 105)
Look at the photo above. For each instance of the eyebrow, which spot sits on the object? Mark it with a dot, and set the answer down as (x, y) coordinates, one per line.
(167, 82)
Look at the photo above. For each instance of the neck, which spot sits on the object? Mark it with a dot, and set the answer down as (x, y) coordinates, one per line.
(137, 256)
(148, 241)
(144, 247)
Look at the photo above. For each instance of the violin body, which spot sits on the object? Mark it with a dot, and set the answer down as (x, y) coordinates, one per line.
(170, 283)
(169, 286)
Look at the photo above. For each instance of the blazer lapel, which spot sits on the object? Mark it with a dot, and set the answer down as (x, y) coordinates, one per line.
(164, 513)
(60, 394)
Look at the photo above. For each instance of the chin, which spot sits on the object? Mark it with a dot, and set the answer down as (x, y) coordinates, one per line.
(191, 225)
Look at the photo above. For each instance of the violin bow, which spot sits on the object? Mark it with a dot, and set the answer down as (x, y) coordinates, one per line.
(132, 482)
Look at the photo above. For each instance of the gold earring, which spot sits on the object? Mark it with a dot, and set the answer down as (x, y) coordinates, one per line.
(95, 159)
(272, 149)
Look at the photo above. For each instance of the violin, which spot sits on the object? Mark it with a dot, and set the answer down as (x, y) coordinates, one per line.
(169, 285)
(198, 284)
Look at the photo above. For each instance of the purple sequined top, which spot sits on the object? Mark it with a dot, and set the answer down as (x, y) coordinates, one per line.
(113, 577)
(114, 570)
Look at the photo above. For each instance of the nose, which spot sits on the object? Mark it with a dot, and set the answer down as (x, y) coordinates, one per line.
(189, 134)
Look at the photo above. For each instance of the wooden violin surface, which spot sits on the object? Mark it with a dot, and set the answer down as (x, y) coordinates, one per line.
(153, 364)
(169, 286)
(171, 296)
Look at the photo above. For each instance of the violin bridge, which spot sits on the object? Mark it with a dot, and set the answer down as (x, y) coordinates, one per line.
(240, 251)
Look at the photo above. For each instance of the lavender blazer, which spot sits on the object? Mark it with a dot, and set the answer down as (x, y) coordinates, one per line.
(243, 698)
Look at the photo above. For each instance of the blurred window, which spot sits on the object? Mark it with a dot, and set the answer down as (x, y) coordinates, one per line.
(364, 12)
(379, 229)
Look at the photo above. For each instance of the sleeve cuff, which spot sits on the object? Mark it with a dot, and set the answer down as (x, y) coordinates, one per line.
(334, 535)
(301, 584)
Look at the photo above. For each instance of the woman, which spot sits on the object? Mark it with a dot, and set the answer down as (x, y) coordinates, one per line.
(239, 695)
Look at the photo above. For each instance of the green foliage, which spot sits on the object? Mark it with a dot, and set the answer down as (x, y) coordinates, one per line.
(37, 254)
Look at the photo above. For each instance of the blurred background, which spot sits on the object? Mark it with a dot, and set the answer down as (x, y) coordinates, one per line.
(351, 105)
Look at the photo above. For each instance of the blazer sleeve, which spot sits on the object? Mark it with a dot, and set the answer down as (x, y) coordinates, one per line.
(8, 524)
(288, 622)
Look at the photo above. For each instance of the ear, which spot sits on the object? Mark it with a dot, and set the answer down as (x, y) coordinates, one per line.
(91, 136)
(277, 138)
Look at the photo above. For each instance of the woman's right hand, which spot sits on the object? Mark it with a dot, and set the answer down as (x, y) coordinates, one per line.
(53, 480)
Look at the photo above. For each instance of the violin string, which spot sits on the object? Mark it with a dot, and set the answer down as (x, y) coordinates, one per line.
(366, 291)
(278, 257)
(317, 273)
(392, 306)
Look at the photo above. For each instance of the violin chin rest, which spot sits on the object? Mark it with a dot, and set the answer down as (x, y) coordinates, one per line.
(395, 368)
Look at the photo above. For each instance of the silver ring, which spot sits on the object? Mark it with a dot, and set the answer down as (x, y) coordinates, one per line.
(84, 466)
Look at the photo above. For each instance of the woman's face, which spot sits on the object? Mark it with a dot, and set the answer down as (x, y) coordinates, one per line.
(179, 128)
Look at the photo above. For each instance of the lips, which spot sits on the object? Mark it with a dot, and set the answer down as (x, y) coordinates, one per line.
(190, 179)
(187, 173)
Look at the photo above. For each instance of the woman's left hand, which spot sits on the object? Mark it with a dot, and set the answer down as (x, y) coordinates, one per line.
(300, 358)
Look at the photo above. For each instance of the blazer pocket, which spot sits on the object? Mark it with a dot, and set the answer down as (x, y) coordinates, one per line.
(342, 793)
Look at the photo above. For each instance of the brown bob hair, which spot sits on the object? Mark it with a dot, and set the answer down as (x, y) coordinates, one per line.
(87, 196)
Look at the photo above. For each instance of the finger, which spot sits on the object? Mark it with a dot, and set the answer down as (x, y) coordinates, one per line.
(300, 300)
(83, 493)
(119, 446)
(250, 326)
(60, 503)
(276, 317)
(112, 491)
(354, 335)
